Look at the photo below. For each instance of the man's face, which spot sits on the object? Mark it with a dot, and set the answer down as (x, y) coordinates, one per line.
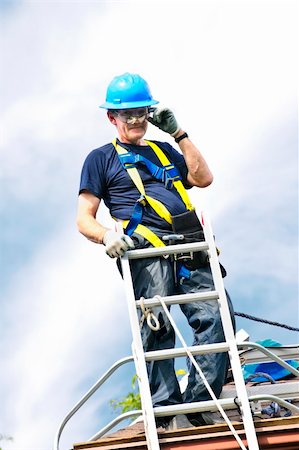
(131, 124)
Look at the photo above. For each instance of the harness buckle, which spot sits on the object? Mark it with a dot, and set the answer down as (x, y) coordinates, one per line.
(168, 183)
(170, 175)
(141, 200)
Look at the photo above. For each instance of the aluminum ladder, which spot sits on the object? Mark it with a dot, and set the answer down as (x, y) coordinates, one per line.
(230, 345)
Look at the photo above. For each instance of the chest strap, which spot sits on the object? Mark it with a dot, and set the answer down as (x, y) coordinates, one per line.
(167, 174)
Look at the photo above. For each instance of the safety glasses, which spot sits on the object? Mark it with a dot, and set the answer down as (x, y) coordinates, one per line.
(131, 116)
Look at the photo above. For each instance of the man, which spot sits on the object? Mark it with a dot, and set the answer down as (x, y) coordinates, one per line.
(149, 209)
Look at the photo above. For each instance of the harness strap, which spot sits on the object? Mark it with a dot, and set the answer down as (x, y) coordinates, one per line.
(148, 234)
(177, 183)
(157, 206)
(167, 174)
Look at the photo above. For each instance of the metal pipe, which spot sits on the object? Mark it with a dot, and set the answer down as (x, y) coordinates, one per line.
(266, 351)
(91, 391)
(171, 353)
(114, 422)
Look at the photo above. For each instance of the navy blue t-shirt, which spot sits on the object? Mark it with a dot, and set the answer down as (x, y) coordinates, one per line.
(104, 176)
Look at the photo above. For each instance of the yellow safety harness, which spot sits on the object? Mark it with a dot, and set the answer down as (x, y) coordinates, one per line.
(157, 206)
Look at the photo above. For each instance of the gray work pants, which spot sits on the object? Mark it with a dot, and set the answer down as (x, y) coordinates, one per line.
(155, 276)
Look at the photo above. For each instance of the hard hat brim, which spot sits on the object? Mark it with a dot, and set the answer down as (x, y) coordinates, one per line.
(128, 105)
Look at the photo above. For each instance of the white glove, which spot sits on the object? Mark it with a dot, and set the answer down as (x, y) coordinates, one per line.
(116, 245)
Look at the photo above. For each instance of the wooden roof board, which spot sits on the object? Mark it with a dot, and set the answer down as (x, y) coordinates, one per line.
(280, 434)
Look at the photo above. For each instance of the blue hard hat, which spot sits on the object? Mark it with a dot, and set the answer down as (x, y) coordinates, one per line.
(128, 91)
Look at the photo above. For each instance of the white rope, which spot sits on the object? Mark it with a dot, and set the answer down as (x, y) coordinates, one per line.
(208, 387)
(150, 317)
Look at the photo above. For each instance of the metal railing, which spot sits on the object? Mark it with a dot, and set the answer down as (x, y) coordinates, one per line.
(181, 409)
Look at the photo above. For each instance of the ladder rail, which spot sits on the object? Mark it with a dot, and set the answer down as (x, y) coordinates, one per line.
(140, 363)
(230, 336)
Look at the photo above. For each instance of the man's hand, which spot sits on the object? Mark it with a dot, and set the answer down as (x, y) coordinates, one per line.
(164, 119)
(115, 244)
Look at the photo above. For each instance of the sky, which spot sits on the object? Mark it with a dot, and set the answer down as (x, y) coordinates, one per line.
(229, 71)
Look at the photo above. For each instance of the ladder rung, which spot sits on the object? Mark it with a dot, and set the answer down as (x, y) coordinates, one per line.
(170, 353)
(184, 408)
(209, 405)
(167, 250)
(180, 299)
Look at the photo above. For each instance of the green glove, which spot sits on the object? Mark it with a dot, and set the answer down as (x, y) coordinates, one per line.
(164, 119)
